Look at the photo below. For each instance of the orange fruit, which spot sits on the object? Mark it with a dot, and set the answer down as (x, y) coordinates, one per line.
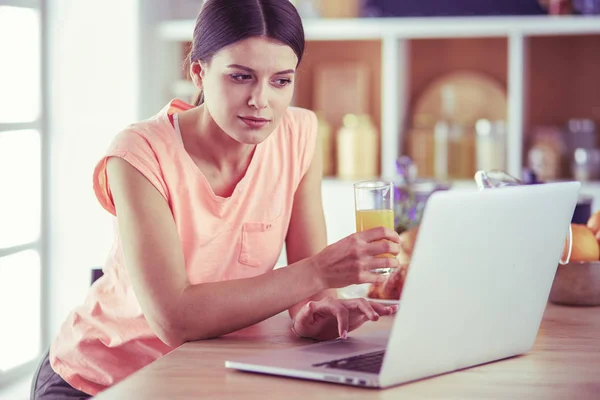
(594, 223)
(585, 246)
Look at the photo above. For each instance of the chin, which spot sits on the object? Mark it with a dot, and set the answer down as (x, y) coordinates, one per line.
(252, 136)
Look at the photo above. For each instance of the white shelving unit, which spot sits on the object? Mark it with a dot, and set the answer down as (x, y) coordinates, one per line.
(394, 34)
(421, 28)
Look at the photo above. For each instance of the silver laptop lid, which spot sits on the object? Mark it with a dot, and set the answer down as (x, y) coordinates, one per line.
(480, 276)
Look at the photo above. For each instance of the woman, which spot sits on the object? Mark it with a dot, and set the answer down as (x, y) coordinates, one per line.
(205, 197)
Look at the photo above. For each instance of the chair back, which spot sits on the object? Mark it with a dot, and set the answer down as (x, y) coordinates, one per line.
(96, 274)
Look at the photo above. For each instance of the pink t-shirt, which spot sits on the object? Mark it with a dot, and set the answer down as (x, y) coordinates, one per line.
(107, 338)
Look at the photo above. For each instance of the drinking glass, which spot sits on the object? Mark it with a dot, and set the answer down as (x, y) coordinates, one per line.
(374, 207)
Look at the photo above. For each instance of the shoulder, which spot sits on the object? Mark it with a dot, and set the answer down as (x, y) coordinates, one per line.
(154, 131)
(142, 135)
(141, 145)
(298, 128)
(297, 139)
(300, 118)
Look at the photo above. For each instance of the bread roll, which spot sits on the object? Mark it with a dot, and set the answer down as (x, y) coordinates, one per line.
(407, 244)
(391, 289)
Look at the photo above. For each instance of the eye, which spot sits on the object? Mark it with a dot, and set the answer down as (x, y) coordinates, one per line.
(240, 77)
(282, 82)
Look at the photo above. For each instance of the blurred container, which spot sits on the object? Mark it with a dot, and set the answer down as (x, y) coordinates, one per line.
(586, 165)
(547, 152)
(495, 179)
(340, 88)
(580, 133)
(586, 7)
(338, 8)
(357, 148)
(490, 145)
(421, 144)
(307, 8)
(557, 7)
(429, 8)
(451, 146)
(324, 132)
(577, 284)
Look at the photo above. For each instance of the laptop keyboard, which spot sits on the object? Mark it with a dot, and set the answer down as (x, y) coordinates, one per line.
(368, 362)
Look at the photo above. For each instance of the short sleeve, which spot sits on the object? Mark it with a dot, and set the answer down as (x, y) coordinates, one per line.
(308, 129)
(134, 148)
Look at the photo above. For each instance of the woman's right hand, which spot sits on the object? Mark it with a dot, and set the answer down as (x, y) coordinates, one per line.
(351, 260)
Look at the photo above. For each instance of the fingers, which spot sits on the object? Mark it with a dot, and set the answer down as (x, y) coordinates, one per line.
(382, 262)
(363, 306)
(371, 277)
(335, 308)
(380, 233)
(382, 309)
(341, 314)
(383, 247)
(366, 274)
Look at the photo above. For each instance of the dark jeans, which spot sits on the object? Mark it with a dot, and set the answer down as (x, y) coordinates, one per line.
(48, 385)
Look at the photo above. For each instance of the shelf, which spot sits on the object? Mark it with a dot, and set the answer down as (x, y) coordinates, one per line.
(508, 48)
(589, 187)
(416, 28)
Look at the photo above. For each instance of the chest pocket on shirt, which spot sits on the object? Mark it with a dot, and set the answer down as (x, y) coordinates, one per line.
(262, 242)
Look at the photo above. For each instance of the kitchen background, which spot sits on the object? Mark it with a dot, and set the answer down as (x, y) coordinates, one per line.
(454, 86)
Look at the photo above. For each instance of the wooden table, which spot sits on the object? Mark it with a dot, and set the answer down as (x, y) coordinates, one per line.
(564, 364)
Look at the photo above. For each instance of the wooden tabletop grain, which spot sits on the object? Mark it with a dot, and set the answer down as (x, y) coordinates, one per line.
(564, 364)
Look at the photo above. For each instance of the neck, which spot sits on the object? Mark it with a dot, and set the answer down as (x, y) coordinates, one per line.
(207, 141)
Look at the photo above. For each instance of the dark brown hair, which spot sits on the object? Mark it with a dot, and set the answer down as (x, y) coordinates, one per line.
(221, 23)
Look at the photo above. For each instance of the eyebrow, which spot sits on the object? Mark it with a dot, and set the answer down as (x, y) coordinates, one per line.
(287, 71)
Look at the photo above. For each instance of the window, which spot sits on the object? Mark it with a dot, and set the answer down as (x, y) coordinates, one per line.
(20, 184)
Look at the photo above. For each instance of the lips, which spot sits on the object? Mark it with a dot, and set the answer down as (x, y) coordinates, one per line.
(254, 122)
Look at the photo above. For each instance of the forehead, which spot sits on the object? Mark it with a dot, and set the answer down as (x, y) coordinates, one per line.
(258, 53)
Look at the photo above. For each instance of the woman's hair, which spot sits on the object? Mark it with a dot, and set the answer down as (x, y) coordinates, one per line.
(224, 22)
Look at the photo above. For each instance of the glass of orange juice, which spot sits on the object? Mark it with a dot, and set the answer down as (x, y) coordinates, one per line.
(374, 207)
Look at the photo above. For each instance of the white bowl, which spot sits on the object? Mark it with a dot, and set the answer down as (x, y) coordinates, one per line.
(577, 284)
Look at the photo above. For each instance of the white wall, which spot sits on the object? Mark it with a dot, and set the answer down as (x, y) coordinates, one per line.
(338, 205)
(93, 86)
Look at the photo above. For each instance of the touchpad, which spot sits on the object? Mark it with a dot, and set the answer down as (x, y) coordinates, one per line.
(342, 347)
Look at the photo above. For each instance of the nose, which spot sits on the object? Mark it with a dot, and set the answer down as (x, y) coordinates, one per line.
(258, 97)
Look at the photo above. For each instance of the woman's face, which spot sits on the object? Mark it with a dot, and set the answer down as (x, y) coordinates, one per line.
(248, 87)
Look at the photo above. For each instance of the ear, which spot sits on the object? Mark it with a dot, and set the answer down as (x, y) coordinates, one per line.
(197, 73)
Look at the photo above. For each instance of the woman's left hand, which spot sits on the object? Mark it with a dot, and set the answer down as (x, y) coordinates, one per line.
(330, 318)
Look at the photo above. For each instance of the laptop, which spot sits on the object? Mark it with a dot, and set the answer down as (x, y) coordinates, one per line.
(480, 276)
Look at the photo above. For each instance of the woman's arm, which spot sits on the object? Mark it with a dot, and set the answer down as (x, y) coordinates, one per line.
(307, 233)
(178, 311)
(322, 316)
(175, 310)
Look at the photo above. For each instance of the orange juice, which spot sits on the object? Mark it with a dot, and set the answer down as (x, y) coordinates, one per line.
(368, 219)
